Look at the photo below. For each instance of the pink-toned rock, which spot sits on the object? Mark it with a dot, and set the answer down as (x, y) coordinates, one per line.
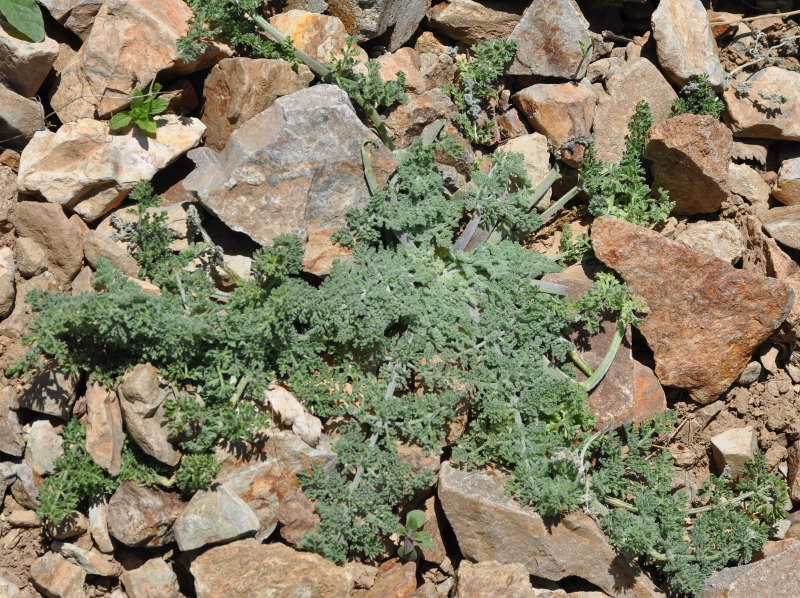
(143, 517)
(776, 576)
(297, 517)
(793, 471)
(104, 435)
(703, 325)
(55, 577)
(131, 43)
(689, 155)
(627, 85)
(320, 36)
(490, 579)
(154, 579)
(239, 88)
(247, 567)
(511, 125)
(787, 189)
(25, 64)
(718, 238)
(472, 22)
(747, 183)
(404, 60)
(751, 115)
(394, 580)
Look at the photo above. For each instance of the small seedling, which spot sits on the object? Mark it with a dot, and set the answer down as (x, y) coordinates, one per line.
(412, 537)
(144, 107)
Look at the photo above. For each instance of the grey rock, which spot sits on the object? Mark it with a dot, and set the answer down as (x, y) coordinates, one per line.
(24, 489)
(50, 392)
(154, 579)
(367, 19)
(12, 442)
(8, 589)
(140, 516)
(23, 64)
(20, 118)
(214, 516)
(93, 563)
(783, 225)
(720, 238)
(43, 448)
(98, 526)
(294, 168)
(750, 373)
(31, 258)
(97, 245)
(776, 576)
(55, 577)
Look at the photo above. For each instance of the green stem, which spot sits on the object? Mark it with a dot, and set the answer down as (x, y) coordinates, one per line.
(580, 363)
(592, 381)
(562, 201)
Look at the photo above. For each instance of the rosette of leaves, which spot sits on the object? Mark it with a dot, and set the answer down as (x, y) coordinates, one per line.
(142, 111)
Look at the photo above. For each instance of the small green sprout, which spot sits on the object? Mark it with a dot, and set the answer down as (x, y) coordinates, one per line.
(143, 109)
(412, 537)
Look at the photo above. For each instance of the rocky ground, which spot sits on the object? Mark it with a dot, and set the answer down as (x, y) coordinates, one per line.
(721, 275)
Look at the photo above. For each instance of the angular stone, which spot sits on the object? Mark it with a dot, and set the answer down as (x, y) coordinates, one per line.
(8, 195)
(246, 567)
(367, 19)
(294, 168)
(733, 448)
(747, 183)
(511, 125)
(141, 399)
(175, 214)
(93, 563)
(30, 257)
(394, 580)
(559, 111)
(404, 60)
(689, 155)
(634, 81)
(8, 290)
(472, 22)
(73, 525)
(85, 168)
(776, 576)
(97, 245)
(322, 37)
(55, 577)
(684, 42)
(787, 189)
(8, 589)
(131, 43)
(704, 326)
(490, 579)
(12, 442)
(61, 239)
(783, 225)
(140, 516)
(104, 435)
(407, 121)
(719, 238)
(43, 448)
(297, 517)
(491, 526)
(23, 64)
(24, 488)
(239, 88)
(20, 118)
(536, 160)
(793, 471)
(214, 516)
(549, 38)
(753, 116)
(98, 526)
(50, 392)
(154, 579)
(81, 17)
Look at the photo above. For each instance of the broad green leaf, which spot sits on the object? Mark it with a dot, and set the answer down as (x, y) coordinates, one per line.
(423, 539)
(25, 16)
(158, 105)
(415, 519)
(148, 126)
(119, 121)
(138, 100)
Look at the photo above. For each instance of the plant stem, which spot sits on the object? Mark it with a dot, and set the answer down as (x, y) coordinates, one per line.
(580, 363)
(562, 201)
(592, 381)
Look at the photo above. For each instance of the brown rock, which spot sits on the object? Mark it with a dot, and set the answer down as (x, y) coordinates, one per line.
(689, 155)
(394, 580)
(61, 239)
(55, 577)
(182, 98)
(706, 323)
(141, 516)
(490, 579)
(511, 125)
(246, 567)
(8, 290)
(404, 60)
(751, 115)
(472, 22)
(239, 88)
(636, 80)
(793, 472)
(297, 517)
(20, 118)
(776, 576)
(97, 245)
(549, 38)
(30, 257)
(104, 435)
(432, 526)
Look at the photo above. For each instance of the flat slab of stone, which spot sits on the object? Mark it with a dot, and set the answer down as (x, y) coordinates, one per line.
(472, 22)
(143, 517)
(213, 516)
(751, 115)
(783, 225)
(776, 576)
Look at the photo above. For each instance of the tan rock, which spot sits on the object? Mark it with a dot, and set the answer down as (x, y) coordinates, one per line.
(15, 325)
(239, 88)
(793, 471)
(472, 22)
(433, 527)
(733, 448)
(246, 567)
(8, 290)
(783, 225)
(536, 160)
(92, 562)
(704, 326)
(104, 435)
(12, 442)
(297, 517)
(394, 580)
(73, 525)
(181, 97)
(141, 516)
(490, 579)
(98, 526)
(720, 239)
(689, 158)
(56, 577)
(81, 17)
(320, 36)
(97, 245)
(30, 257)
(175, 214)
(50, 392)
(154, 579)
(787, 189)
(130, 44)
(8, 195)
(776, 576)
(511, 125)
(747, 183)
(404, 60)
(20, 118)
(23, 64)
(751, 115)
(490, 526)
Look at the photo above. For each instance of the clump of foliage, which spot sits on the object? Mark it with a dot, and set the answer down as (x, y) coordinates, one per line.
(477, 81)
(620, 189)
(572, 248)
(23, 16)
(142, 111)
(698, 97)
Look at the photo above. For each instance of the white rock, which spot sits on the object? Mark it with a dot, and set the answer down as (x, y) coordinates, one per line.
(721, 239)
(747, 183)
(43, 448)
(733, 448)
(8, 290)
(98, 527)
(25, 64)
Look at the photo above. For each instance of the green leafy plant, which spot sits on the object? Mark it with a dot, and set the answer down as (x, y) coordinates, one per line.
(411, 536)
(142, 111)
(23, 16)
(698, 97)
(572, 248)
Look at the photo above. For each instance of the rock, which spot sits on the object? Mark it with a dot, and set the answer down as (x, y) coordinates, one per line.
(43, 448)
(511, 125)
(104, 435)
(490, 579)
(367, 19)
(751, 373)
(322, 37)
(747, 183)
(246, 567)
(214, 516)
(719, 238)
(141, 399)
(783, 225)
(154, 579)
(733, 448)
(768, 356)
(20, 118)
(55, 577)
(704, 326)
(141, 516)
(561, 112)
(86, 169)
(62, 239)
(81, 18)
(50, 392)
(8, 195)
(436, 65)
(175, 214)
(93, 563)
(404, 60)
(8, 589)
(181, 97)
(490, 526)
(295, 168)
(751, 115)
(16, 325)
(684, 42)
(793, 471)
(8, 290)
(297, 517)
(407, 121)
(433, 526)
(30, 257)
(131, 43)
(776, 576)
(689, 155)
(549, 38)
(23, 519)
(97, 245)
(25, 64)
(24, 488)
(239, 88)
(12, 442)
(636, 80)
(394, 580)
(471, 22)
(787, 189)
(73, 525)
(98, 526)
